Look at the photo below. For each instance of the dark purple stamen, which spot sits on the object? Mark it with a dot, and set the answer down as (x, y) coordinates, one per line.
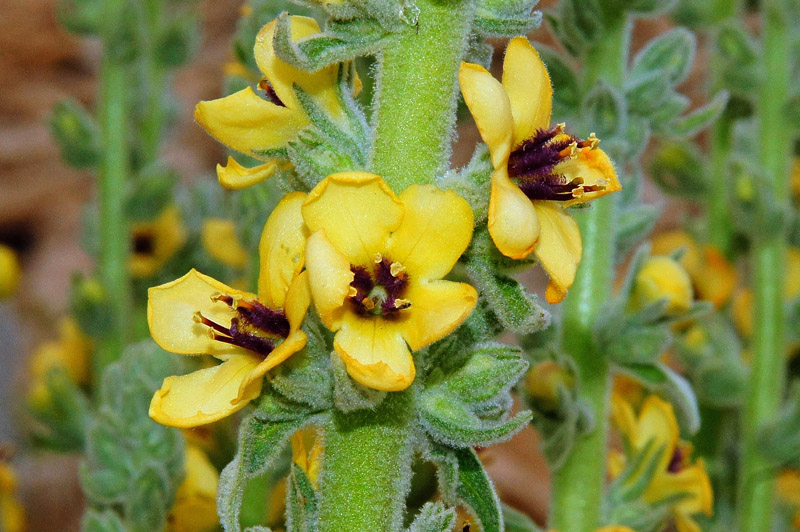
(272, 96)
(264, 318)
(143, 244)
(393, 286)
(676, 463)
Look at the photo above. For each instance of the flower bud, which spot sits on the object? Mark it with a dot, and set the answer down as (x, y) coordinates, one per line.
(663, 278)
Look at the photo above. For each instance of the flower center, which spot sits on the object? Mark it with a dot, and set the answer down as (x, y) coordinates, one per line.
(143, 243)
(533, 164)
(255, 326)
(377, 293)
(676, 462)
(271, 94)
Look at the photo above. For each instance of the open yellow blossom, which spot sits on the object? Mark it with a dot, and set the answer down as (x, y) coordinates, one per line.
(199, 315)
(261, 127)
(375, 263)
(664, 278)
(538, 169)
(12, 515)
(307, 453)
(10, 272)
(195, 508)
(220, 240)
(154, 243)
(71, 351)
(713, 276)
(655, 430)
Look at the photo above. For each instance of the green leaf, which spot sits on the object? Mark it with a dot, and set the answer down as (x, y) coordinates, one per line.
(633, 225)
(605, 111)
(671, 52)
(177, 41)
(338, 140)
(693, 123)
(302, 511)
(679, 169)
(567, 92)
(516, 521)
(662, 117)
(76, 133)
(274, 408)
(451, 422)
(649, 8)
(108, 521)
(434, 517)
(477, 491)
(491, 25)
(149, 501)
(674, 388)
(491, 370)
(645, 92)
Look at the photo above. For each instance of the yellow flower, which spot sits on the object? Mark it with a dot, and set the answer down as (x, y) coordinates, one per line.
(261, 127)
(195, 508)
(538, 170)
(375, 263)
(199, 315)
(663, 278)
(788, 486)
(154, 243)
(307, 453)
(71, 352)
(12, 515)
(221, 242)
(543, 381)
(675, 475)
(10, 272)
(713, 276)
(795, 179)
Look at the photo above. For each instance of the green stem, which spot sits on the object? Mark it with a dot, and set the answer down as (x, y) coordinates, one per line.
(367, 463)
(113, 173)
(578, 484)
(769, 346)
(154, 81)
(416, 95)
(367, 467)
(719, 220)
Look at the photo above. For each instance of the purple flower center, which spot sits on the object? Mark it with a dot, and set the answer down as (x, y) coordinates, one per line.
(272, 96)
(379, 292)
(255, 326)
(676, 462)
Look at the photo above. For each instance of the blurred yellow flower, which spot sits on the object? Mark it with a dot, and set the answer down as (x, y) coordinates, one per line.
(10, 272)
(154, 243)
(538, 169)
(713, 276)
(71, 351)
(543, 382)
(375, 263)
(676, 479)
(662, 278)
(261, 127)
(220, 240)
(788, 486)
(795, 180)
(195, 508)
(12, 515)
(307, 453)
(199, 315)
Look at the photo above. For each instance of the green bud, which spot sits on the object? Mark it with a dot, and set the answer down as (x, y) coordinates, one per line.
(76, 133)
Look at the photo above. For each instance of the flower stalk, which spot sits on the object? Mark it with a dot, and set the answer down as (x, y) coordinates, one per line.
(578, 485)
(756, 487)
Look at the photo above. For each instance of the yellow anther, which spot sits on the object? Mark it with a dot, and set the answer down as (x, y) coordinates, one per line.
(368, 303)
(396, 269)
(593, 141)
(352, 292)
(401, 304)
(197, 317)
(561, 126)
(377, 258)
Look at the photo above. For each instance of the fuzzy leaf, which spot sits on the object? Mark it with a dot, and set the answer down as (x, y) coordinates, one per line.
(146, 506)
(348, 394)
(491, 370)
(338, 140)
(674, 388)
(517, 521)
(693, 123)
(107, 521)
(306, 379)
(275, 409)
(645, 92)
(477, 491)
(678, 168)
(76, 133)
(605, 110)
(663, 116)
(633, 225)
(302, 512)
(491, 25)
(671, 52)
(434, 517)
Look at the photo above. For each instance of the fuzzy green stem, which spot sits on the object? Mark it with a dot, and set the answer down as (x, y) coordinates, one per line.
(154, 76)
(367, 467)
(578, 484)
(416, 95)
(114, 170)
(719, 220)
(769, 346)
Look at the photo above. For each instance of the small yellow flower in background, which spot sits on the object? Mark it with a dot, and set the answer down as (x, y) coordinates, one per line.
(262, 127)
(71, 352)
(629, 388)
(10, 272)
(662, 278)
(788, 487)
(12, 515)
(742, 308)
(675, 475)
(375, 263)
(307, 453)
(220, 240)
(543, 382)
(195, 508)
(199, 315)
(713, 276)
(795, 180)
(155, 243)
(539, 170)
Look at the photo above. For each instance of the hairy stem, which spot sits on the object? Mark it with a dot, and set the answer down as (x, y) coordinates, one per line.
(578, 484)
(111, 193)
(416, 95)
(769, 345)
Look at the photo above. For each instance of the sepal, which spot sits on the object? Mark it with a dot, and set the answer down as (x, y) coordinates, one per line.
(491, 24)
(348, 395)
(434, 517)
(679, 169)
(516, 521)
(472, 182)
(671, 53)
(691, 124)
(302, 507)
(77, 134)
(605, 108)
(107, 521)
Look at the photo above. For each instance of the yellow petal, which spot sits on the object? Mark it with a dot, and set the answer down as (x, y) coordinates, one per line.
(437, 308)
(249, 124)
(220, 240)
(691, 482)
(357, 210)
(623, 417)
(162, 238)
(716, 278)
(595, 168)
(488, 102)
(684, 523)
(281, 250)
(374, 353)
(788, 486)
(513, 222)
(234, 176)
(792, 276)
(320, 85)
(530, 93)
(171, 308)
(298, 298)
(205, 395)
(658, 427)
(559, 246)
(251, 385)
(435, 231)
(10, 271)
(663, 278)
(329, 277)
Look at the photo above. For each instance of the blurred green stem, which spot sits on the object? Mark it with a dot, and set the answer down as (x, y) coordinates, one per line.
(154, 80)
(578, 486)
(111, 190)
(757, 483)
